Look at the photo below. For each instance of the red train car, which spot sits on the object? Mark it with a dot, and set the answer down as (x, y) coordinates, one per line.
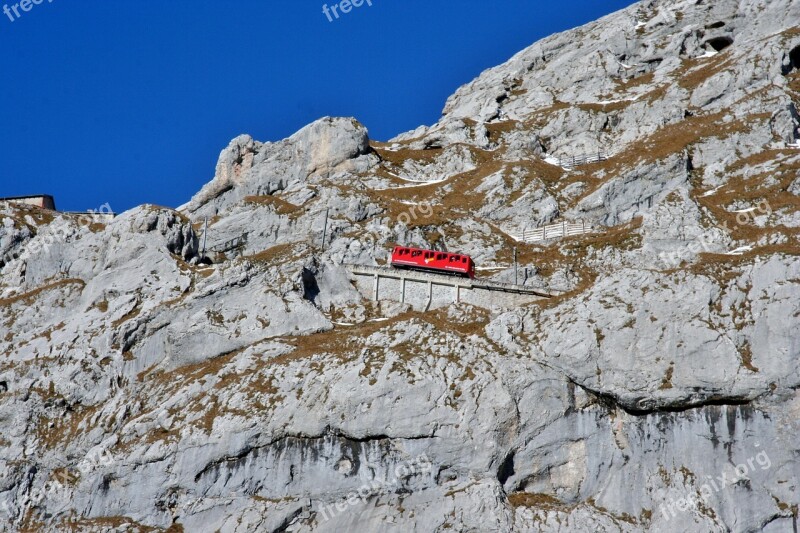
(433, 261)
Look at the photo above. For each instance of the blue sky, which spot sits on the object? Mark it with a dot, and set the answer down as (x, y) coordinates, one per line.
(129, 102)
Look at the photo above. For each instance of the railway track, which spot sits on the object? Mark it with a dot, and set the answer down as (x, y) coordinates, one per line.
(448, 281)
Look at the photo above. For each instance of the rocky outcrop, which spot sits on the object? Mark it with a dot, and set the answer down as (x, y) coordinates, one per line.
(248, 168)
(214, 368)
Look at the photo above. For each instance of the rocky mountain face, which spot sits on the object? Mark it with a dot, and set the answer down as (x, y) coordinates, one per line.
(155, 376)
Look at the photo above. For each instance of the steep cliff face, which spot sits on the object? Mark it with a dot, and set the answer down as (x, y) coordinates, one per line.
(155, 377)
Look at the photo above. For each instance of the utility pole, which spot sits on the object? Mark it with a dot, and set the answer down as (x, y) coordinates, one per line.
(325, 230)
(205, 236)
(515, 266)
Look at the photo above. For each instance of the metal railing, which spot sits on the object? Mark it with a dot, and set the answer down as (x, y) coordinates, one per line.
(232, 244)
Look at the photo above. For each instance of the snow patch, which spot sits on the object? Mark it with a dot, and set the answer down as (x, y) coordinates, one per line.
(740, 250)
(712, 191)
(416, 182)
(616, 101)
(554, 161)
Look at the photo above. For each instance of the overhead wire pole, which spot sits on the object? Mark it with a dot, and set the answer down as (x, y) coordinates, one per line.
(205, 237)
(515, 266)
(325, 229)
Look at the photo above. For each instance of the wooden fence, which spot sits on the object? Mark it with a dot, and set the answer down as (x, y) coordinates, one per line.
(553, 231)
(584, 159)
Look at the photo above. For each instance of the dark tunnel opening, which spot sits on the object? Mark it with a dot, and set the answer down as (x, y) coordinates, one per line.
(794, 57)
(720, 43)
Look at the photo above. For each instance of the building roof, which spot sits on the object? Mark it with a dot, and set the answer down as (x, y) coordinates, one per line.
(26, 197)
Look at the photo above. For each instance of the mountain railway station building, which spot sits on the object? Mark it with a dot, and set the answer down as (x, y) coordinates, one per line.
(44, 201)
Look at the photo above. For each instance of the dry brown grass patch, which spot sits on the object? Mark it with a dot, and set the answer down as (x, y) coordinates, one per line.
(281, 206)
(76, 525)
(473, 325)
(553, 177)
(791, 32)
(574, 254)
(153, 208)
(343, 342)
(497, 129)
(670, 140)
(538, 118)
(29, 297)
(398, 157)
(274, 254)
(695, 71)
(130, 315)
(537, 500)
(793, 81)
(608, 107)
(66, 428)
(759, 158)
(41, 217)
(723, 267)
(753, 190)
(631, 83)
(451, 199)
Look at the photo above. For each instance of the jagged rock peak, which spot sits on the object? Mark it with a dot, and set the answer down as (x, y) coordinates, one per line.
(248, 167)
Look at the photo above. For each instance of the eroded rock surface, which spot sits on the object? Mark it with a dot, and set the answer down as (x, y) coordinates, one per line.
(154, 375)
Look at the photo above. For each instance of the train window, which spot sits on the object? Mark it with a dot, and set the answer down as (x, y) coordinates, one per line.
(463, 259)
